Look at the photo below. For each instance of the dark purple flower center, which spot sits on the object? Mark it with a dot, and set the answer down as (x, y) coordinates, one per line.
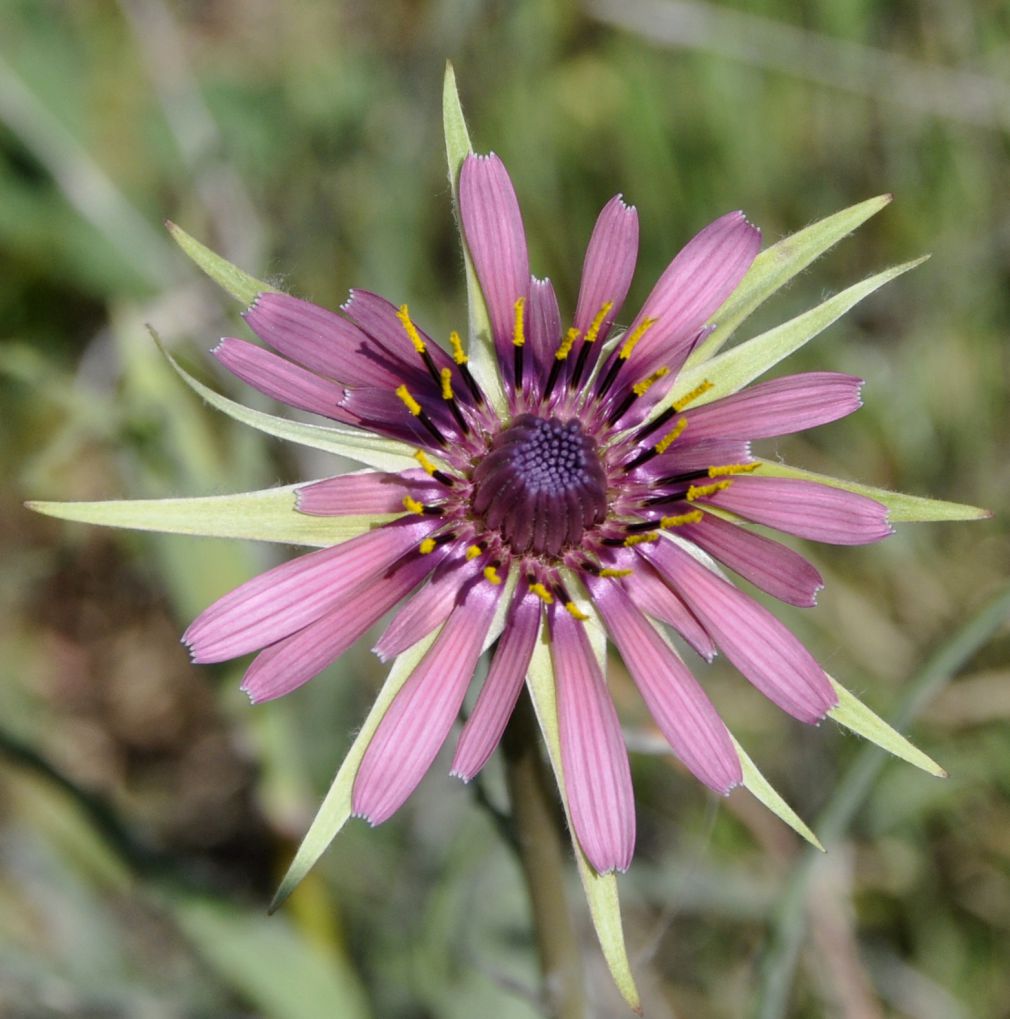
(541, 485)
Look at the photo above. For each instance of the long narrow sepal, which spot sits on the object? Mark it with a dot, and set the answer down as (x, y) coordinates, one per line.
(777, 265)
(600, 889)
(855, 715)
(231, 278)
(901, 508)
(267, 515)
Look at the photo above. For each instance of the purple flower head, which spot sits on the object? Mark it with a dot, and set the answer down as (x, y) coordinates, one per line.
(595, 488)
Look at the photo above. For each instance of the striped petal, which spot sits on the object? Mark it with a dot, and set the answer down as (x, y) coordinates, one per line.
(290, 663)
(494, 234)
(779, 407)
(543, 330)
(501, 688)
(277, 603)
(749, 635)
(369, 492)
(593, 755)
(419, 719)
(807, 510)
(678, 704)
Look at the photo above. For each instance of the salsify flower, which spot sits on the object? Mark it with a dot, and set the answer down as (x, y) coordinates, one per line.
(545, 483)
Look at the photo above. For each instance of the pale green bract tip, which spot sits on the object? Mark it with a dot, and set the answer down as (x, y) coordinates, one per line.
(855, 715)
(231, 278)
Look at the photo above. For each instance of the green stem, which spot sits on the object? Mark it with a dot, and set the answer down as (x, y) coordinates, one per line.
(544, 863)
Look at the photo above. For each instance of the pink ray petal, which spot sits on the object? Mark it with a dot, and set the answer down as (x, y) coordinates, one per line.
(593, 756)
(686, 455)
(501, 688)
(277, 603)
(283, 380)
(370, 492)
(543, 331)
(291, 662)
(430, 607)
(693, 287)
(678, 704)
(322, 341)
(749, 635)
(419, 719)
(382, 411)
(778, 407)
(494, 234)
(767, 564)
(807, 509)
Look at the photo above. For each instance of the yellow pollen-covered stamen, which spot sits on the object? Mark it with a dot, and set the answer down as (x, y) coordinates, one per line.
(641, 539)
(410, 329)
(689, 398)
(594, 330)
(671, 436)
(458, 353)
(518, 335)
(632, 341)
(491, 575)
(473, 551)
(427, 546)
(542, 593)
(704, 491)
(446, 376)
(694, 517)
(412, 505)
(567, 343)
(575, 612)
(608, 572)
(641, 388)
(422, 459)
(724, 469)
(408, 401)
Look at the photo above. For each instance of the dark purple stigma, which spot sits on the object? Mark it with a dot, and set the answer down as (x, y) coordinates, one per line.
(541, 485)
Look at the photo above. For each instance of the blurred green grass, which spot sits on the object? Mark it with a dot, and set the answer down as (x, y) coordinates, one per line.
(304, 143)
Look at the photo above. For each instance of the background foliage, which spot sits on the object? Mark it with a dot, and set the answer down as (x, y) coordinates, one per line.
(146, 811)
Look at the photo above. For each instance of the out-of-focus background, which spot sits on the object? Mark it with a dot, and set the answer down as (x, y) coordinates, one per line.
(147, 811)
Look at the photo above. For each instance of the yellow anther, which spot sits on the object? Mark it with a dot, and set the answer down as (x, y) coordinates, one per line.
(426, 546)
(446, 375)
(641, 539)
(694, 517)
(632, 341)
(724, 469)
(458, 353)
(491, 575)
(594, 330)
(473, 551)
(704, 491)
(408, 401)
(410, 329)
(567, 343)
(641, 388)
(608, 572)
(671, 436)
(412, 505)
(423, 460)
(542, 593)
(518, 335)
(689, 398)
(575, 612)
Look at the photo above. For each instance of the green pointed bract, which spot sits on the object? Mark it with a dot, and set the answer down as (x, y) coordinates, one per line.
(267, 515)
(239, 284)
(855, 715)
(901, 508)
(364, 447)
(777, 265)
(600, 889)
(336, 807)
(759, 787)
(733, 369)
(483, 360)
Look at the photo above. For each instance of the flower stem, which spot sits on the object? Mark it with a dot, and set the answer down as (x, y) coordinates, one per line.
(543, 858)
